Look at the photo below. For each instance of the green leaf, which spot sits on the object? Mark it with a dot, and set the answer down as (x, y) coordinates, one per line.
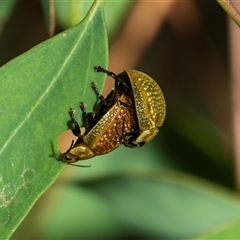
(227, 230)
(147, 204)
(6, 8)
(166, 205)
(49, 13)
(37, 90)
(68, 13)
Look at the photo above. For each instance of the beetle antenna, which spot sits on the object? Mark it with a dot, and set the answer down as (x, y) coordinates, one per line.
(117, 79)
(77, 165)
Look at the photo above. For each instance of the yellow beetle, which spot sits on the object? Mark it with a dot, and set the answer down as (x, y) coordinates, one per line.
(131, 114)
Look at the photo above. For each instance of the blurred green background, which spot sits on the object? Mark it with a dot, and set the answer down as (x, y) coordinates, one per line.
(180, 185)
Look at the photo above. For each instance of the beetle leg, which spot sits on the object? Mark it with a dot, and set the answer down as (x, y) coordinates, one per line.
(126, 105)
(130, 139)
(119, 83)
(111, 74)
(120, 138)
(104, 105)
(83, 107)
(88, 116)
(95, 88)
(76, 130)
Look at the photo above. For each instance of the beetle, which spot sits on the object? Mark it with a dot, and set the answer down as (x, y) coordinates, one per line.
(148, 100)
(106, 129)
(131, 114)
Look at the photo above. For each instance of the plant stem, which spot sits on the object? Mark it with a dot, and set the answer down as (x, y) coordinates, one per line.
(230, 10)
